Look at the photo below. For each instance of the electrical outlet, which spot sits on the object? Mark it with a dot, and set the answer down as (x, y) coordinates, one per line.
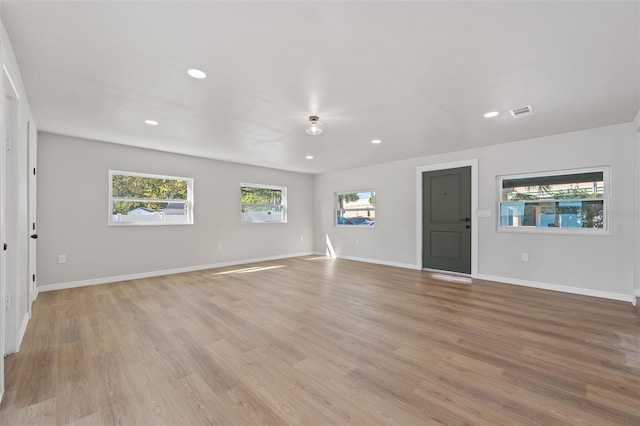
(62, 258)
(524, 257)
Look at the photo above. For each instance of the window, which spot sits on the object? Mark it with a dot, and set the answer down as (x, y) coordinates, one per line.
(570, 201)
(263, 203)
(144, 199)
(356, 208)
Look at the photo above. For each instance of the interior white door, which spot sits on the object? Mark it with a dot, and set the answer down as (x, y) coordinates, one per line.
(33, 232)
(3, 239)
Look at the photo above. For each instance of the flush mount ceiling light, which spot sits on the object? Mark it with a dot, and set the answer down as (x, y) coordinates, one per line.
(491, 114)
(196, 73)
(314, 126)
(309, 157)
(151, 122)
(376, 141)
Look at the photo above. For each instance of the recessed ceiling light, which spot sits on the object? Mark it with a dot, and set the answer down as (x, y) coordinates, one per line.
(151, 122)
(309, 157)
(491, 114)
(196, 73)
(376, 141)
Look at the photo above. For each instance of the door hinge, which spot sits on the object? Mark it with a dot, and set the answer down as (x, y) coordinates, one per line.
(34, 171)
(34, 226)
(34, 278)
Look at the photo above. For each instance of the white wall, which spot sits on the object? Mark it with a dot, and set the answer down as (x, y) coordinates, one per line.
(599, 265)
(73, 189)
(17, 231)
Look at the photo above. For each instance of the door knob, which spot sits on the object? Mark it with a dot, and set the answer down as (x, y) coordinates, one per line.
(34, 236)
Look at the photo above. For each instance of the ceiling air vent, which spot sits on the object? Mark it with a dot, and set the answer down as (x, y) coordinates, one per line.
(522, 111)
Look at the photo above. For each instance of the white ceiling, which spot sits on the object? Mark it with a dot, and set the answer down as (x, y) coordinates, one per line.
(418, 75)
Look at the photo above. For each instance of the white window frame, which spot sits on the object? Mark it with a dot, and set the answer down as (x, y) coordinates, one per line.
(336, 208)
(606, 189)
(283, 189)
(162, 222)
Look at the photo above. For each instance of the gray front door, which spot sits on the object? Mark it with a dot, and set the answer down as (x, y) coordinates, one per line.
(446, 220)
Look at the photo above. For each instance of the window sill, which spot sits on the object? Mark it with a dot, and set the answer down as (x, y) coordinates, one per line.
(262, 221)
(579, 232)
(149, 224)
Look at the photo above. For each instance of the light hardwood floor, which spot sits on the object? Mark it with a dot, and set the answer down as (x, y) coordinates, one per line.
(320, 341)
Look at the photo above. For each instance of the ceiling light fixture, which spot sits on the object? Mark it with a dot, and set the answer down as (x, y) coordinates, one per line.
(314, 126)
(491, 114)
(309, 157)
(151, 122)
(376, 141)
(196, 73)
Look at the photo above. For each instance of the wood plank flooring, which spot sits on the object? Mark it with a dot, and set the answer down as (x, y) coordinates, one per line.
(320, 341)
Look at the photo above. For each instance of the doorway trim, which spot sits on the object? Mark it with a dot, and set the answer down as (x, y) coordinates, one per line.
(473, 163)
(32, 147)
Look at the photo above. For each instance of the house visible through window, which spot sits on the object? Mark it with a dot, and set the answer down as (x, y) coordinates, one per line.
(145, 199)
(356, 208)
(263, 203)
(559, 200)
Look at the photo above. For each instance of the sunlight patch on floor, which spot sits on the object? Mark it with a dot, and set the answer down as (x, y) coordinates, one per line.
(248, 270)
(319, 258)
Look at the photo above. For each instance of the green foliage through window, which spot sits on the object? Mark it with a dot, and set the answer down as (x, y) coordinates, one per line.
(146, 192)
(262, 203)
(148, 198)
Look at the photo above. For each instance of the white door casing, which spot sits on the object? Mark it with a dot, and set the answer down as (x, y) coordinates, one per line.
(32, 136)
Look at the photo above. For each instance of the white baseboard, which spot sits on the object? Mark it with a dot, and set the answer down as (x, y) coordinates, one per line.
(515, 281)
(106, 280)
(561, 288)
(380, 262)
(637, 296)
